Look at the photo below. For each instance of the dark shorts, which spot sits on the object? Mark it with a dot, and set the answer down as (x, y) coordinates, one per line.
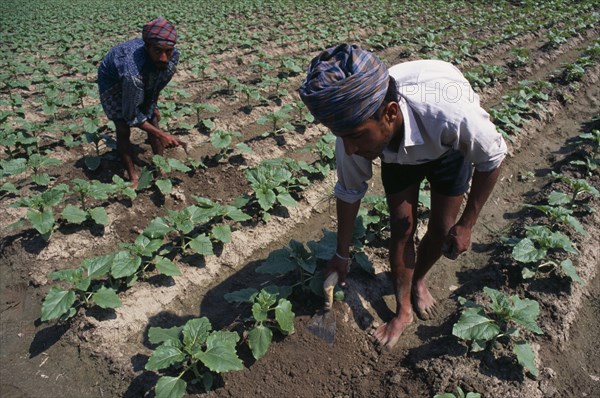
(448, 175)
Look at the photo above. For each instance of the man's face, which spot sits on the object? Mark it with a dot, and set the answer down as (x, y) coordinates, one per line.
(159, 54)
(370, 138)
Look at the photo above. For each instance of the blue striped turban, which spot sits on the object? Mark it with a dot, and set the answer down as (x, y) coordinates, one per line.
(344, 86)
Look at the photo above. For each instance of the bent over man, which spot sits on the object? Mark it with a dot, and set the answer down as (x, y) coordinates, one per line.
(423, 120)
(130, 78)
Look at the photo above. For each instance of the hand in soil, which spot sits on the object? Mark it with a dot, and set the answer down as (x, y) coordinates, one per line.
(389, 333)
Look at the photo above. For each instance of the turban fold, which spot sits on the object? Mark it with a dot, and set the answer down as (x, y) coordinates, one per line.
(344, 86)
(159, 31)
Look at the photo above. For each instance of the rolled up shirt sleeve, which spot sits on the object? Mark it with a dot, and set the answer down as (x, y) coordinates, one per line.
(353, 173)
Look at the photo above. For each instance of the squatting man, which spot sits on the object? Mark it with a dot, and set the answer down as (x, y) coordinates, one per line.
(130, 78)
(423, 119)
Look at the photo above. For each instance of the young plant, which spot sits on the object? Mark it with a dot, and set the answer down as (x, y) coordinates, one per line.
(271, 186)
(63, 303)
(221, 140)
(277, 120)
(560, 216)
(193, 349)
(502, 319)
(458, 393)
(39, 212)
(534, 249)
(261, 324)
(88, 189)
(165, 166)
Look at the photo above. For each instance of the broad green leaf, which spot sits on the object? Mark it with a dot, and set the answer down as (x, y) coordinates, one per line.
(202, 245)
(284, 316)
(99, 215)
(164, 185)
(266, 198)
(106, 298)
(54, 196)
(259, 340)
(178, 165)
(164, 356)
(92, 162)
(221, 233)
(527, 273)
(57, 303)
(166, 266)
(207, 381)
(556, 198)
(147, 246)
(98, 266)
(220, 355)
(124, 264)
(259, 312)
(13, 166)
(157, 335)
(195, 333)
(526, 252)
(285, 199)
(278, 262)
(161, 163)
(572, 221)
(43, 222)
(11, 188)
(325, 248)
(157, 228)
(526, 357)
(170, 387)
(241, 296)
(525, 312)
(365, 264)
(474, 325)
(74, 214)
(570, 271)
(478, 345)
(243, 148)
(42, 179)
(145, 180)
(236, 214)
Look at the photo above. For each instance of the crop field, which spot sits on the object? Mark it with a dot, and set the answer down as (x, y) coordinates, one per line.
(204, 280)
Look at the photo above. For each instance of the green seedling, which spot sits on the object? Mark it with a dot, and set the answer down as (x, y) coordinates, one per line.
(503, 318)
(62, 303)
(165, 166)
(458, 393)
(39, 212)
(193, 349)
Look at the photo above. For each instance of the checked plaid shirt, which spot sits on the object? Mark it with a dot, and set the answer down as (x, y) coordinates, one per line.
(129, 84)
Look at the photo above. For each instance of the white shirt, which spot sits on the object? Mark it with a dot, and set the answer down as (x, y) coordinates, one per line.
(441, 112)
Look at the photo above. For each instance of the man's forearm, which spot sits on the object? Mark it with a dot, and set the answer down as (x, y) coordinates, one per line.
(481, 188)
(151, 129)
(346, 215)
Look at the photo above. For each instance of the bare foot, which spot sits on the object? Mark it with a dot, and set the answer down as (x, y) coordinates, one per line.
(389, 333)
(423, 302)
(134, 183)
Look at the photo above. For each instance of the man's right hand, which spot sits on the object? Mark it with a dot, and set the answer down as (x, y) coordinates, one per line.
(168, 141)
(341, 267)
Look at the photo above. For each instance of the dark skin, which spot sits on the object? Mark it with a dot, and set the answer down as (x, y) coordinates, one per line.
(444, 233)
(159, 54)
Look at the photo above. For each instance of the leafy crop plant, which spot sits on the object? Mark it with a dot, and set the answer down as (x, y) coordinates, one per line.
(502, 320)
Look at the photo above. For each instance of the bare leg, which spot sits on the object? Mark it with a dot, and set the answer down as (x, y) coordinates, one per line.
(125, 149)
(444, 210)
(157, 147)
(403, 207)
